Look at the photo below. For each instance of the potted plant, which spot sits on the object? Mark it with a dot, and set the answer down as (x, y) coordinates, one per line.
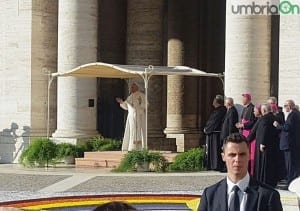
(66, 152)
(142, 160)
(41, 152)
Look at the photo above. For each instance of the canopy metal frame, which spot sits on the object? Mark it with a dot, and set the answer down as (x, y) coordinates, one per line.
(146, 74)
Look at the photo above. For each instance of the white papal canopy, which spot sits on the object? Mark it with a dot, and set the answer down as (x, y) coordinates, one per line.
(105, 70)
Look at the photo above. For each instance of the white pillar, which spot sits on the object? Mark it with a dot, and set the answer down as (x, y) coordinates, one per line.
(289, 60)
(77, 45)
(248, 54)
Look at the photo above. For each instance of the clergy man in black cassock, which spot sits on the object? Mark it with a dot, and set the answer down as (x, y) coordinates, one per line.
(247, 118)
(247, 122)
(231, 118)
(212, 129)
(267, 148)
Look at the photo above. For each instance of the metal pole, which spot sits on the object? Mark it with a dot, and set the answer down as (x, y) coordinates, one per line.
(221, 77)
(146, 76)
(50, 79)
(146, 110)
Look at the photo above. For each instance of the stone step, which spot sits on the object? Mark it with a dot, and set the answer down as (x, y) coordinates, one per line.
(289, 200)
(84, 162)
(110, 159)
(104, 155)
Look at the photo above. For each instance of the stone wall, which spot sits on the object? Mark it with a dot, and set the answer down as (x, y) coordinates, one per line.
(15, 76)
(28, 47)
(144, 47)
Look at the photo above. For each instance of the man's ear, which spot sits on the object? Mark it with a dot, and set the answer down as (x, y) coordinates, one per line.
(223, 156)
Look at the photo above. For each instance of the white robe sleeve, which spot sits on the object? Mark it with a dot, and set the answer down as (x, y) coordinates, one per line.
(126, 103)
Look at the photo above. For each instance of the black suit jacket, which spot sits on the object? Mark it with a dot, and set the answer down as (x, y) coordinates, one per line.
(260, 197)
(290, 131)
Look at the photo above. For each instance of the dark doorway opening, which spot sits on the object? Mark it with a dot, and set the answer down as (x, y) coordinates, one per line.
(110, 117)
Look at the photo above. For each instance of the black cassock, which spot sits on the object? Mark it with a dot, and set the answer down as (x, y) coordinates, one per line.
(228, 127)
(213, 143)
(266, 163)
(248, 115)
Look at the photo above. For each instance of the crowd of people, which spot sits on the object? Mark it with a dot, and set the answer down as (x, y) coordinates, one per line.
(273, 134)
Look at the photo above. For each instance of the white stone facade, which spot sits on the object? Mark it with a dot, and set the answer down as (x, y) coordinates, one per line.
(289, 59)
(27, 48)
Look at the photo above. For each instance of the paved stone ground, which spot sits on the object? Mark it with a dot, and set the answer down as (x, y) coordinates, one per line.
(17, 182)
(158, 183)
(26, 182)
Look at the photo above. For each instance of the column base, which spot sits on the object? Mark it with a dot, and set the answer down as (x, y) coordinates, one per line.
(185, 138)
(38, 132)
(162, 144)
(155, 133)
(72, 136)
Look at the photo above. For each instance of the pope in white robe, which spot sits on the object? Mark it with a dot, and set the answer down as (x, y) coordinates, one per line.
(134, 135)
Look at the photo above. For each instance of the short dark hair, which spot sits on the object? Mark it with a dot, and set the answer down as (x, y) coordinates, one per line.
(219, 99)
(236, 138)
(115, 205)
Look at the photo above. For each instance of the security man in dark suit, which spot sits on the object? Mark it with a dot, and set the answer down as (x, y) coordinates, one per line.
(239, 192)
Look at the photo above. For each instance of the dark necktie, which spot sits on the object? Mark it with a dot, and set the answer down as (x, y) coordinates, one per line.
(234, 204)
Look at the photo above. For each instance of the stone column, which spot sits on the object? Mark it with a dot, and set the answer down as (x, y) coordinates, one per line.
(175, 84)
(77, 45)
(144, 47)
(289, 63)
(44, 60)
(248, 54)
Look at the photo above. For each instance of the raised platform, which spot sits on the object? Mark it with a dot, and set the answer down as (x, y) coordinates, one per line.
(110, 159)
(162, 144)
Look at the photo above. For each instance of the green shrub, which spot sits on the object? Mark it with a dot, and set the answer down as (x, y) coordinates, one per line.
(43, 151)
(100, 143)
(137, 157)
(40, 152)
(191, 160)
(81, 148)
(66, 149)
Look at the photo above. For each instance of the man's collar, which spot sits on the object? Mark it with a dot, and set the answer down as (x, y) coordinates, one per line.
(247, 104)
(243, 183)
